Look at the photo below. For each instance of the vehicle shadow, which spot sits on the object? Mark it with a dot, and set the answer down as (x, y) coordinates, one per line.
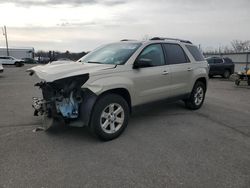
(158, 108)
(140, 113)
(221, 78)
(69, 133)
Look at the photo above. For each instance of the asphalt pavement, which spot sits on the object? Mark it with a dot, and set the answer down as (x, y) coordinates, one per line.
(164, 145)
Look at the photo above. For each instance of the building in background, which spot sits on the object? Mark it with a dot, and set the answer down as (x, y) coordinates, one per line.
(18, 53)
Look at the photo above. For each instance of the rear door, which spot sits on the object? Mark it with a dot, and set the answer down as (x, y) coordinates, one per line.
(9, 60)
(4, 60)
(1, 60)
(181, 69)
(218, 66)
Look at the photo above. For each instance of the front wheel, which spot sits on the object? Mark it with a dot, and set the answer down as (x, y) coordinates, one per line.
(109, 117)
(196, 97)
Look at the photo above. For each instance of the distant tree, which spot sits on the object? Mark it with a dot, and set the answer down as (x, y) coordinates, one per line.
(54, 55)
(227, 49)
(240, 46)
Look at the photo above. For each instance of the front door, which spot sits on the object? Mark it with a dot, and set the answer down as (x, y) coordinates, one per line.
(152, 82)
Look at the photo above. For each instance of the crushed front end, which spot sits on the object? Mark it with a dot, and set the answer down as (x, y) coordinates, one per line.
(61, 100)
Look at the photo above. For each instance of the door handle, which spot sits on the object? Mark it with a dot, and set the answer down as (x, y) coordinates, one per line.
(189, 69)
(165, 73)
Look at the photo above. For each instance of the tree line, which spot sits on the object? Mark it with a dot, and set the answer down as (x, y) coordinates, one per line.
(236, 46)
(56, 55)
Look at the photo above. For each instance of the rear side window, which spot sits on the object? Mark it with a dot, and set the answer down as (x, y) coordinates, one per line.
(175, 54)
(210, 60)
(218, 60)
(228, 60)
(195, 53)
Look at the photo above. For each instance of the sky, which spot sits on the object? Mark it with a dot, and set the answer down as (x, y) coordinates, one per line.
(82, 25)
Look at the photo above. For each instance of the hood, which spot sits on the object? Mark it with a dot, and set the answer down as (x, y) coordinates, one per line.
(52, 72)
(60, 62)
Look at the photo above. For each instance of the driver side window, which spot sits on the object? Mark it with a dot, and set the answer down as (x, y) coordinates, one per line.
(153, 54)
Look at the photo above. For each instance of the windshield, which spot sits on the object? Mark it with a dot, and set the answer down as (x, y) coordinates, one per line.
(116, 54)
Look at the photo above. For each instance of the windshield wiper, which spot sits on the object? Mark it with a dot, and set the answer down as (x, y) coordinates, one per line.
(95, 62)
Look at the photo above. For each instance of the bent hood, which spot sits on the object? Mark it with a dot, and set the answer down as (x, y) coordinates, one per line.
(52, 72)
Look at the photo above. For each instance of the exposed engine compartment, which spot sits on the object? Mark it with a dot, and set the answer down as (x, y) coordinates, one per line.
(61, 98)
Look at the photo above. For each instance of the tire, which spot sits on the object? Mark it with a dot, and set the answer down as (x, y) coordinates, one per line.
(210, 76)
(226, 74)
(107, 122)
(196, 97)
(237, 82)
(17, 64)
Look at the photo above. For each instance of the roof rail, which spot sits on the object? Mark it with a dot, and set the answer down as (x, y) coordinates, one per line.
(162, 38)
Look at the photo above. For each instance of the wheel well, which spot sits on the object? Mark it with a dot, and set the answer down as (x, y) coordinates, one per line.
(122, 92)
(228, 70)
(203, 80)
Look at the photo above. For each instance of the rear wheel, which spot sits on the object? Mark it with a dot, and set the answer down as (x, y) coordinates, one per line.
(196, 97)
(110, 117)
(17, 64)
(226, 74)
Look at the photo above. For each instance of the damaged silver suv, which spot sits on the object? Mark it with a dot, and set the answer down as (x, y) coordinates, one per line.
(100, 89)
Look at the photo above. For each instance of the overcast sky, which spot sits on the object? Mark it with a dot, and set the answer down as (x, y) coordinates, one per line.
(81, 25)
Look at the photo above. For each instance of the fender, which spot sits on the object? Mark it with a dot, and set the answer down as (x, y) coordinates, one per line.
(199, 72)
(87, 106)
(101, 85)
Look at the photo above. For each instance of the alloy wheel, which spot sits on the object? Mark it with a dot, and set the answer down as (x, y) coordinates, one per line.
(112, 118)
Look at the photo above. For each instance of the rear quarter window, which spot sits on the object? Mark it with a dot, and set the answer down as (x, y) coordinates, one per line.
(228, 60)
(195, 53)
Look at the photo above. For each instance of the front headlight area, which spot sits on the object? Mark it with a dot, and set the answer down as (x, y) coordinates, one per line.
(63, 97)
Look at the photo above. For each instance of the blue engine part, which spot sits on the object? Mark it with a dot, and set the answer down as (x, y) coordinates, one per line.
(68, 107)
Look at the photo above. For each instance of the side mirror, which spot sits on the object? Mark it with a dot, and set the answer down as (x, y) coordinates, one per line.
(142, 62)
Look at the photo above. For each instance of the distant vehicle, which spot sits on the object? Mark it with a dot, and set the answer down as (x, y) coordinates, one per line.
(1, 68)
(63, 59)
(29, 61)
(9, 60)
(220, 66)
(42, 60)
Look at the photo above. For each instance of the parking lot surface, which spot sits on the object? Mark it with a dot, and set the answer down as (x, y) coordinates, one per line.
(164, 145)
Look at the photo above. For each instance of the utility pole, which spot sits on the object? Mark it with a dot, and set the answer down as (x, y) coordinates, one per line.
(6, 39)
